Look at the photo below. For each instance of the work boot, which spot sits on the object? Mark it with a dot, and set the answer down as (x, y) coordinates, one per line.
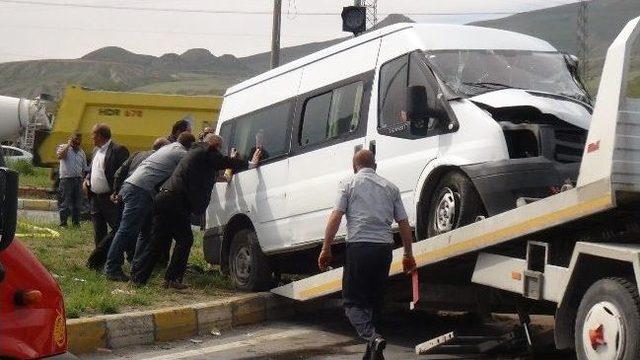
(367, 354)
(118, 277)
(171, 284)
(377, 347)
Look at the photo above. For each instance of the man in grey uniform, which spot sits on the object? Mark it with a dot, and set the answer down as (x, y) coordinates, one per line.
(371, 204)
(137, 197)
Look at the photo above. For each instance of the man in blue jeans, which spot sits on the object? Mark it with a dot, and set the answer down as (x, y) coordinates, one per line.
(137, 197)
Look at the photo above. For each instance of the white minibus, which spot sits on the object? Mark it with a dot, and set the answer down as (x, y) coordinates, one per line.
(467, 121)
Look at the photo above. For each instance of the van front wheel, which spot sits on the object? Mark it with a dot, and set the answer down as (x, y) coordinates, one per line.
(453, 204)
(248, 266)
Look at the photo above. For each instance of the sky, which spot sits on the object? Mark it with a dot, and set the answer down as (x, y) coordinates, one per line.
(33, 29)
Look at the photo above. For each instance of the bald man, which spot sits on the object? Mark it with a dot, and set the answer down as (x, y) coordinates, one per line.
(187, 191)
(371, 204)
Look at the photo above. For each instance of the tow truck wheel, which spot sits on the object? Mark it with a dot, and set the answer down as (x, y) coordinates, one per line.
(608, 321)
(454, 203)
(248, 266)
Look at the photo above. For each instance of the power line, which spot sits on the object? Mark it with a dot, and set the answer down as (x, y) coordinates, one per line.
(147, 31)
(229, 12)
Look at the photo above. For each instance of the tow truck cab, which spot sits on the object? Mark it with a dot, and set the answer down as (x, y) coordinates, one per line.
(32, 315)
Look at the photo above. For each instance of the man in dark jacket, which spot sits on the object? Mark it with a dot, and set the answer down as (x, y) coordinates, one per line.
(99, 255)
(186, 191)
(107, 158)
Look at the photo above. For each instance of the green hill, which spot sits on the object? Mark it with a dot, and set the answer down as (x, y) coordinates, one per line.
(558, 25)
(196, 71)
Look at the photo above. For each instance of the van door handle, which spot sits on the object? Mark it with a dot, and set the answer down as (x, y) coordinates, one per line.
(372, 146)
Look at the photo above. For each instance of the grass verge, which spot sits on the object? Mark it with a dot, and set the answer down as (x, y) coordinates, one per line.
(31, 176)
(87, 292)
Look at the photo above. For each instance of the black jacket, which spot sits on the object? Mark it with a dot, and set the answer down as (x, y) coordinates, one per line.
(128, 167)
(195, 175)
(115, 156)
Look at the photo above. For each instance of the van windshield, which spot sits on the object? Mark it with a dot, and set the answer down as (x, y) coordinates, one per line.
(474, 72)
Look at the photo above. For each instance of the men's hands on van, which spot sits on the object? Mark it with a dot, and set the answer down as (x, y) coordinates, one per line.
(257, 155)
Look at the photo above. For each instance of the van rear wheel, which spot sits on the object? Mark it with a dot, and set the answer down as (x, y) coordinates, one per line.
(248, 266)
(453, 204)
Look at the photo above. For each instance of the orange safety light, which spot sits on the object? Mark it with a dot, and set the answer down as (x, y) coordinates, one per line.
(27, 297)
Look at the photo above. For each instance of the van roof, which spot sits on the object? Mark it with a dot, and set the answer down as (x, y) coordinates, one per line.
(433, 36)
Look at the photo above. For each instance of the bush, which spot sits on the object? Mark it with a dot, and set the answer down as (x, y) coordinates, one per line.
(23, 167)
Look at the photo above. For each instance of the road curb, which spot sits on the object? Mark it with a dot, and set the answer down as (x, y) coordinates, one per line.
(37, 204)
(174, 323)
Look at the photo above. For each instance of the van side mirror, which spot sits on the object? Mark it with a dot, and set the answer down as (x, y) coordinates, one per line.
(417, 110)
(8, 206)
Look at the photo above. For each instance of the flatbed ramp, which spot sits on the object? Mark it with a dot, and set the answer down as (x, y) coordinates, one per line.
(552, 211)
(609, 173)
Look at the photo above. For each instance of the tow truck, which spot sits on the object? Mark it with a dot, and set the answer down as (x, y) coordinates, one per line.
(578, 250)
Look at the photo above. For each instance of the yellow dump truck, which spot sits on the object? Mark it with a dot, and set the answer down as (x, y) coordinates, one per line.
(135, 119)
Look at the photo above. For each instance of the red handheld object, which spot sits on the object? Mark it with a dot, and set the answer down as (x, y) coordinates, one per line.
(416, 290)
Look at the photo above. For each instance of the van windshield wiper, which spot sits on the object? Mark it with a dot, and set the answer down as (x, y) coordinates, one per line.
(490, 85)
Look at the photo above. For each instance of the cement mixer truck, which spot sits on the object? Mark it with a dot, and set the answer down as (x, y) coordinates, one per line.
(20, 118)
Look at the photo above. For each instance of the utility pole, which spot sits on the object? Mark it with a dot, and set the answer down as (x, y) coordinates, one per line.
(583, 37)
(371, 7)
(275, 33)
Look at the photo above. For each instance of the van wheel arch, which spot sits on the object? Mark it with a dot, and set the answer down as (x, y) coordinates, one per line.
(424, 201)
(236, 223)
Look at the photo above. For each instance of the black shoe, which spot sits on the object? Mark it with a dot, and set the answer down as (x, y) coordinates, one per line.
(377, 347)
(171, 284)
(118, 277)
(367, 354)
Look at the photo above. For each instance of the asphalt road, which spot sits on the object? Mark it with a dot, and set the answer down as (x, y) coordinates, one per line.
(327, 335)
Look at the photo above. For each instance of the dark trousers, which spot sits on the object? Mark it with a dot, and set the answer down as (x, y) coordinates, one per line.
(98, 256)
(364, 279)
(105, 216)
(170, 220)
(137, 203)
(70, 199)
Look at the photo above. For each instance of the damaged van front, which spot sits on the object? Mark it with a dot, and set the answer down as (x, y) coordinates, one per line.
(543, 111)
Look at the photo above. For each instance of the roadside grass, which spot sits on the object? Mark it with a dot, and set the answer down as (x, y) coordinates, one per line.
(87, 292)
(31, 176)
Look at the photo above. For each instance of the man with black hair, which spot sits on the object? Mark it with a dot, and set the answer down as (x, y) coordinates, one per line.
(137, 197)
(187, 191)
(73, 166)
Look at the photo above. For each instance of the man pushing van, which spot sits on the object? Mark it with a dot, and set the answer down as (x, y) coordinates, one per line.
(371, 204)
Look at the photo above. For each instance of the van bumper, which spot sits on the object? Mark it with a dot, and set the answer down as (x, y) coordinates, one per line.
(501, 183)
(212, 245)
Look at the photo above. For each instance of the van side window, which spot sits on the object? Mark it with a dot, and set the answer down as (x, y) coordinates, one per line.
(225, 132)
(395, 77)
(393, 82)
(264, 129)
(332, 114)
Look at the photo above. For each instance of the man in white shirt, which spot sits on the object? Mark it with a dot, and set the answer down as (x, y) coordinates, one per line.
(107, 158)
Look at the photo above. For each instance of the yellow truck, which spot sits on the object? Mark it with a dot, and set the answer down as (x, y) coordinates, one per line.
(135, 119)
